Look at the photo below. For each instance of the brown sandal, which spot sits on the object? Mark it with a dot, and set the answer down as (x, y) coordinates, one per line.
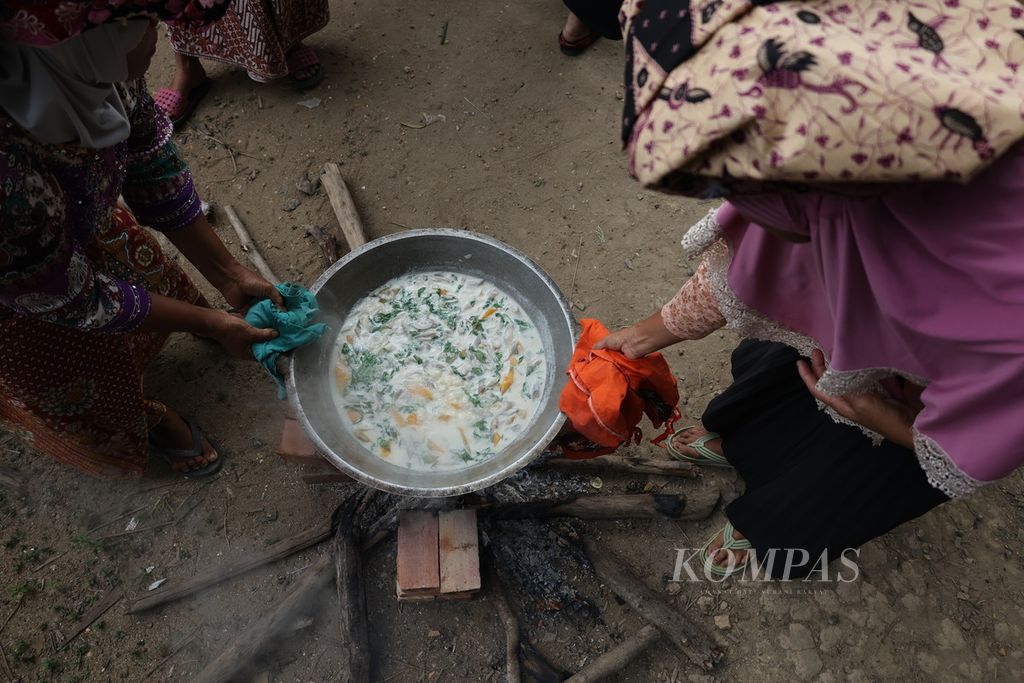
(572, 48)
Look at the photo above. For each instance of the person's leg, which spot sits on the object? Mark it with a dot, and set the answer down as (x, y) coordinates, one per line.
(305, 69)
(575, 36)
(188, 74)
(766, 411)
(813, 485)
(574, 29)
(682, 439)
(174, 433)
(847, 494)
(188, 85)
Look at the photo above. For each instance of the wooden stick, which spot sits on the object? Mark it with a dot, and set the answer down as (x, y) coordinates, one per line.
(626, 463)
(121, 516)
(51, 560)
(513, 670)
(535, 667)
(344, 208)
(7, 666)
(327, 242)
(175, 650)
(281, 549)
(138, 530)
(10, 614)
(247, 645)
(673, 625)
(249, 246)
(366, 500)
(697, 505)
(352, 621)
(616, 659)
(98, 610)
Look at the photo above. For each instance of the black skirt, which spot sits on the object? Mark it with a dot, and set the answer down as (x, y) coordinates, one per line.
(812, 484)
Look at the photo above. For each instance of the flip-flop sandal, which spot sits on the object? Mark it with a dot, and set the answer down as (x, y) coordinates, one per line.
(708, 457)
(572, 48)
(173, 454)
(304, 57)
(729, 542)
(178, 107)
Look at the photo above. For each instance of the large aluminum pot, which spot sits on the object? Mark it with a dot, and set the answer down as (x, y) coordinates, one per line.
(370, 266)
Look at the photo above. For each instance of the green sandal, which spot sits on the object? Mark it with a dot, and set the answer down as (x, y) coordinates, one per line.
(729, 542)
(708, 456)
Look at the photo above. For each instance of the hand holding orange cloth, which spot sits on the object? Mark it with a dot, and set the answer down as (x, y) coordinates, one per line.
(608, 394)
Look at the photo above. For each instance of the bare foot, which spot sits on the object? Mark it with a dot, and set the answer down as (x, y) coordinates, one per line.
(188, 74)
(682, 440)
(724, 558)
(173, 432)
(574, 28)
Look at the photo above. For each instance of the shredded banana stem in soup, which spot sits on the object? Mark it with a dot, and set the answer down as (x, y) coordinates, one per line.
(438, 371)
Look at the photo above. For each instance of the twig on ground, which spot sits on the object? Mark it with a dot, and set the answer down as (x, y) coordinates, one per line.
(17, 606)
(123, 534)
(116, 519)
(7, 666)
(161, 486)
(249, 246)
(476, 107)
(51, 560)
(98, 610)
(175, 650)
(231, 150)
(227, 537)
(576, 270)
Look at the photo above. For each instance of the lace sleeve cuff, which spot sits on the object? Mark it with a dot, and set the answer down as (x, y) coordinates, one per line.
(693, 312)
(942, 472)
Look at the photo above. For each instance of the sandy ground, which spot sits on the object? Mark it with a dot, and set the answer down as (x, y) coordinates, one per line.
(527, 152)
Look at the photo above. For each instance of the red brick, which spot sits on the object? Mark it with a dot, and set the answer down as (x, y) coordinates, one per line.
(459, 551)
(295, 446)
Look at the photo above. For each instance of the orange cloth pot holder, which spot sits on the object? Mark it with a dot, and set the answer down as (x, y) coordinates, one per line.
(608, 394)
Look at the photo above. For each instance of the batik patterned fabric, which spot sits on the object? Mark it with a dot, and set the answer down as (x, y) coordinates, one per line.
(76, 273)
(731, 96)
(76, 395)
(47, 22)
(53, 199)
(255, 35)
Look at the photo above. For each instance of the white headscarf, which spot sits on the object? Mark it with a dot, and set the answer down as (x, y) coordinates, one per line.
(65, 93)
